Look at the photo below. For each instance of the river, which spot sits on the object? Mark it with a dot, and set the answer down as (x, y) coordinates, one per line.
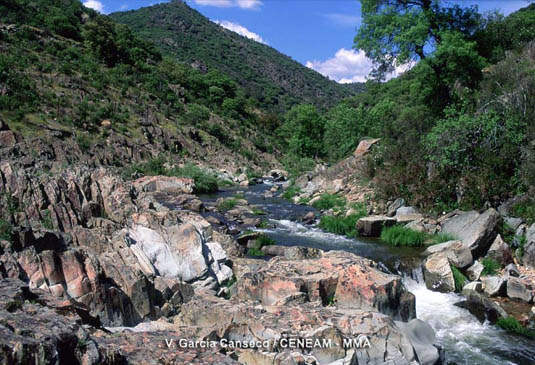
(464, 338)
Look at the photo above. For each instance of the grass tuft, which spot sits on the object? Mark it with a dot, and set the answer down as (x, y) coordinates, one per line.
(227, 204)
(290, 192)
(401, 236)
(459, 279)
(490, 266)
(511, 325)
(328, 201)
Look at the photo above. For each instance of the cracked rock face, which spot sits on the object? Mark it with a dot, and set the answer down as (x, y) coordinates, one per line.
(336, 277)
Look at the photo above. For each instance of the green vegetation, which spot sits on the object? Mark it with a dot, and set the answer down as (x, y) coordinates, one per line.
(525, 210)
(511, 325)
(6, 230)
(342, 225)
(46, 220)
(440, 238)
(290, 192)
(261, 241)
(204, 181)
(490, 266)
(227, 204)
(401, 236)
(459, 279)
(259, 69)
(258, 211)
(328, 201)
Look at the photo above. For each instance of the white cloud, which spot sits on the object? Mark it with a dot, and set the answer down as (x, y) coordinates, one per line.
(349, 66)
(95, 5)
(240, 29)
(344, 20)
(243, 4)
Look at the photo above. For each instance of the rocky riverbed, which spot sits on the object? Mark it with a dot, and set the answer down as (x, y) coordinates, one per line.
(99, 270)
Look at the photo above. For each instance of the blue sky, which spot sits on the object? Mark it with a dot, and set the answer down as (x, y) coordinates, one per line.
(317, 33)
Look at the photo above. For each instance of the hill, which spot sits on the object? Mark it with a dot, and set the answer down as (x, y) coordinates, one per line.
(77, 87)
(272, 78)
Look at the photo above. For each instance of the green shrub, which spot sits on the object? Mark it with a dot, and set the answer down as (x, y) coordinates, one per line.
(257, 211)
(490, 266)
(205, 182)
(261, 241)
(401, 236)
(197, 114)
(290, 192)
(227, 204)
(459, 279)
(6, 230)
(525, 210)
(511, 325)
(328, 201)
(341, 225)
(440, 238)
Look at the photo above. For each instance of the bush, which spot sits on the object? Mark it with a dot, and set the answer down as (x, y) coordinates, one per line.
(227, 204)
(261, 241)
(511, 325)
(197, 114)
(440, 238)
(459, 279)
(290, 192)
(401, 236)
(6, 230)
(490, 266)
(341, 225)
(205, 182)
(328, 201)
(525, 210)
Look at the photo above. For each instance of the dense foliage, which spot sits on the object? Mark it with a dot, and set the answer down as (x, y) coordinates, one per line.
(456, 130)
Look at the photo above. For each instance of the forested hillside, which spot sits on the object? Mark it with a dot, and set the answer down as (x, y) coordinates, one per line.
(274, 79)
(89, 86)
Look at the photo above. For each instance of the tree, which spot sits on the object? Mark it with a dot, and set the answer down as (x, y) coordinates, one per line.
(303, 131)
(395, 32)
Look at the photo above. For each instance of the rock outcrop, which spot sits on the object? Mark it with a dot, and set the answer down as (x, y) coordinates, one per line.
(337, 278)
(373, 225)
(477, 231)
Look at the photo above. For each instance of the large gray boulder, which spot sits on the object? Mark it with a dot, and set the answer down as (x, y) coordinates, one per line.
(519, 289)
(500, 251)
(422, 337)
(437, 273)
(495, 286)
(179, 251)
(474, 272)
(373, 225)
(475, 230)
(458, 254)
(529, 247)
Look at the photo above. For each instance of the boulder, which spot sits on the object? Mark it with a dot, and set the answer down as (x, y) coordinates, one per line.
(165, 184)
(512, 271)
(364, 146)
(495, 286)
(475, 230)
(437, 273)
(423, 340)
(513, 223)
(520, 289)
(529, 247)
(482, 307)
(309, 218)
(474, 286)
(373, 225)
(178, 251)
(500, 251)
(396, 204)
(458, 254)
(278, 174)
(474, 271)
(335, 277)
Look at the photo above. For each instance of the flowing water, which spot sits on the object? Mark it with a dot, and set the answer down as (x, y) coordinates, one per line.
(464, 338)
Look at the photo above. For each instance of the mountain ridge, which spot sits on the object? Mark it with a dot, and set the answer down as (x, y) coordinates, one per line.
(267, 75)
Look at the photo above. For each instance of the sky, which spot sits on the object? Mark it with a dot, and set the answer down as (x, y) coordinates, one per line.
(317, 33)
